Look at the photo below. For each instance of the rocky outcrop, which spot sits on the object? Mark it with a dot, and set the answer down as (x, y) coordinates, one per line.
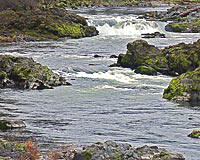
(25, 73)
(184, 18)
(172, 60)
(115, 151)
(42, 23)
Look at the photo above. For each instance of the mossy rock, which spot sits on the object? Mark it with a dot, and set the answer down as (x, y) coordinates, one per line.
(25, 73)
(184, 27)
(173, 60)
(185, 88)
(195, 134)
(51, 23)
(146, 70)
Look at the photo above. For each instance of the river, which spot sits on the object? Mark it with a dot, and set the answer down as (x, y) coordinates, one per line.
(103, 103)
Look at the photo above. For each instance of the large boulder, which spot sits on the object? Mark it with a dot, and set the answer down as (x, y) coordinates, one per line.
(184, 88)
(25, 73)
(182, 57)
(172, 60)
(138, 53)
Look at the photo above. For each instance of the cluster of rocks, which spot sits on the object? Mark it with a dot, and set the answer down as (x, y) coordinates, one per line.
(116, 151)
(25, 73)
(184, 18)
(180, 60)
(100, 151)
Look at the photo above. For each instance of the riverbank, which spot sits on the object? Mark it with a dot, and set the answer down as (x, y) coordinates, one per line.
(100, 150)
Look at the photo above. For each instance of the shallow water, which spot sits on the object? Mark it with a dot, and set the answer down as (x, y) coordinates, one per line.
(103, 103)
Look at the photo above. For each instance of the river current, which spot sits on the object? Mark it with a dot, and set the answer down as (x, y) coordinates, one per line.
(103, 103)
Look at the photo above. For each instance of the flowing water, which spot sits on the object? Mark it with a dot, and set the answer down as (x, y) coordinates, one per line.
(103, 103)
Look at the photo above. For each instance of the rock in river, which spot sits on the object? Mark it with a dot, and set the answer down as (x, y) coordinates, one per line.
(11, 124)
(25, 73)
(173, 60)
(184, 88)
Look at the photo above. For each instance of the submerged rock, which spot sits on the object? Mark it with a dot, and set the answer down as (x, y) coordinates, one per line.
(153, 35)
(119, 151)
(11, 124)
(25, 73)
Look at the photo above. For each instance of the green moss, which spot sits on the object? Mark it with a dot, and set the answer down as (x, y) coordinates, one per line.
(174, 89)
(20, 147)
(87, 155)
(194, 134)
(117, 157)
(146, 70)
(3, 75)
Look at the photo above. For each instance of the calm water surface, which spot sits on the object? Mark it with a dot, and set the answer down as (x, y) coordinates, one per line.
(103, 103)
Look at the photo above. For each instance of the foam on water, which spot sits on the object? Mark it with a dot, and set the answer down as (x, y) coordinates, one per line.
(126, 25)
(109, 75)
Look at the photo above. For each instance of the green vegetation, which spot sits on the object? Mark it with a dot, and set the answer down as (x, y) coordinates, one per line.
(146, 70)
(185, 26)
(195, 134)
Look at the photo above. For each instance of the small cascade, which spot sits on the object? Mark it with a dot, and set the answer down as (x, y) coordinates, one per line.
(126, 25)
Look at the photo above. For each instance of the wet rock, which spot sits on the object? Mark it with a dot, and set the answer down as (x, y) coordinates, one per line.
(153, 35)
(25, 73)
(97, 56)
(113, 56)
(119, 151)
(195, 134)
(146, 70)
(11, 124)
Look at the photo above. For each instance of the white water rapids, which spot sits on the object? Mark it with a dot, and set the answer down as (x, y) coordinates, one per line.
(124, 25)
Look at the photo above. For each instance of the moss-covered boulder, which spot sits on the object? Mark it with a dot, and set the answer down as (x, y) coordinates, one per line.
(146, 70)
(195, 134)
(43, 23)
(182, 57)
(25, 73)
(172, 60)
(138, 53)
(184, 88)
